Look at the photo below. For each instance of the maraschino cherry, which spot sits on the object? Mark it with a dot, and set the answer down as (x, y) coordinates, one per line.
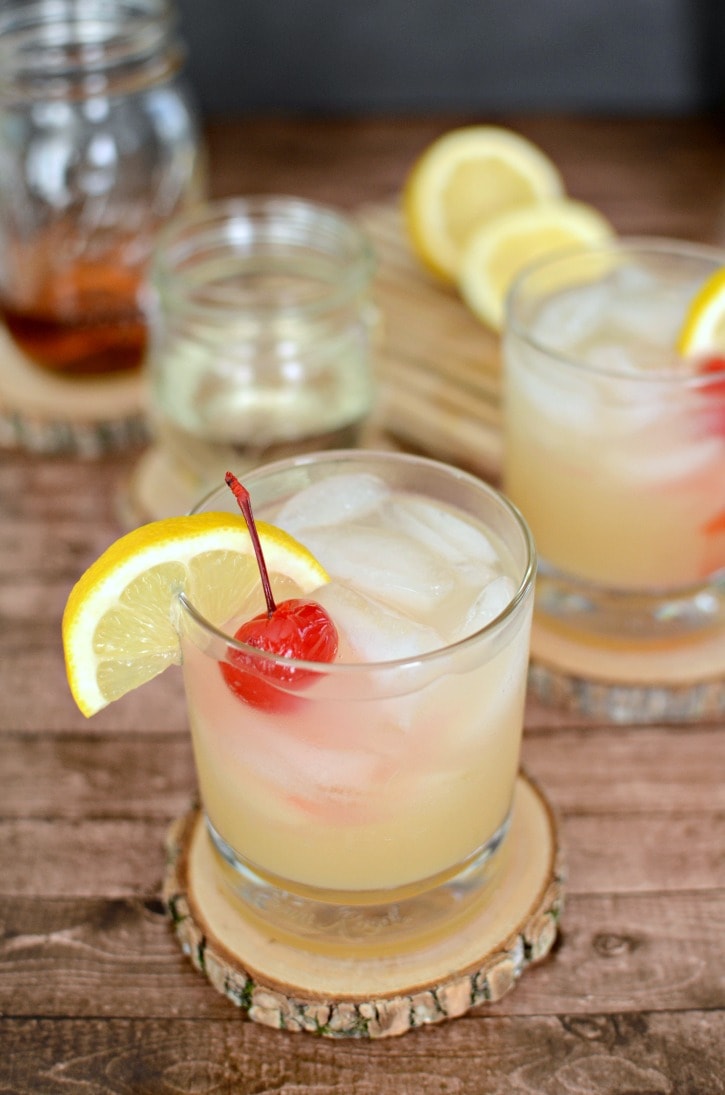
(295, 628)
(714, 390)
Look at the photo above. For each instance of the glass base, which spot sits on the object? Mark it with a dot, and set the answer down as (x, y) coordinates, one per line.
(375, 923)
(587, 610)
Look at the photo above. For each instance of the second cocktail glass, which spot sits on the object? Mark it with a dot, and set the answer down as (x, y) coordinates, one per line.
(615, 444)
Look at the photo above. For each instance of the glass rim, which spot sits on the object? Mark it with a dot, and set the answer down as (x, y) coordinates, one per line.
(107, 32)
(217, 223)
(524, 587)
(641, 245)
(75, 50)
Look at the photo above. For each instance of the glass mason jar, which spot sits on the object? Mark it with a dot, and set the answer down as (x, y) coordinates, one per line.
(261, 329)
(99, 146)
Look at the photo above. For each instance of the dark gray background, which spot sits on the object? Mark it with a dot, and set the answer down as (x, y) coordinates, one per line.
(335, 57)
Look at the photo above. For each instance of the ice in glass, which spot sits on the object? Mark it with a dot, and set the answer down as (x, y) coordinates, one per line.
(372, 802)
(615, 444)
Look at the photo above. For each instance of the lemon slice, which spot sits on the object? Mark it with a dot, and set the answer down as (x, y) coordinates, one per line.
(118, 624)
(463, 180)
(704, 325)
(499, 250)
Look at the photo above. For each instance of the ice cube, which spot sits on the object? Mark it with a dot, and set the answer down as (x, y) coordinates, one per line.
(373, 631)
(664, 460)
(443, 532)
(572, 404)
(490, 603)
(341, 498)
(610, 357)
(644, 306)
(570, 316)
(309, 770)
(383, 564)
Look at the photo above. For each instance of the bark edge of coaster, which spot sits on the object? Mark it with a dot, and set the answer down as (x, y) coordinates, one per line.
(279, 986)
(48, 414)
(629, 685)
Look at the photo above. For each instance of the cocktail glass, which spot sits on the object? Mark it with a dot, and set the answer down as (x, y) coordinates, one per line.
(370, 808)
(615, 445)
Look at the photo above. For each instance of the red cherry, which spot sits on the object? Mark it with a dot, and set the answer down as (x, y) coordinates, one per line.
(297, 629)
(714, 363)
(714, 392)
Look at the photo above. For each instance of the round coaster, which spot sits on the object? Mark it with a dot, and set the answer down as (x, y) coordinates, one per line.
(44, 413)
(288, 988)
(160, 486)
(630, 682)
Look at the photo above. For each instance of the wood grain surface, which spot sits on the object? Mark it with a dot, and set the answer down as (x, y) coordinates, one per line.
(95, 995)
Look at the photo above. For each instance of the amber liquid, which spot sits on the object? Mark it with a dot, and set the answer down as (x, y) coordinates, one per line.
(86, 323)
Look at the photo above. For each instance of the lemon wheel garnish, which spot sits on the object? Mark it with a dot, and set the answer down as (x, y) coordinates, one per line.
(118, 624)
(499, 250)
(703, 328)
(466, 178)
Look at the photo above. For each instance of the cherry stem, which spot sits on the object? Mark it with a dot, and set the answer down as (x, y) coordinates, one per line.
(245, 504)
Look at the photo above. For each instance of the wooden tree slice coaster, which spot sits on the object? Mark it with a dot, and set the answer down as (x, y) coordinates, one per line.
(43, 413)
(281, 986)
(630, 684)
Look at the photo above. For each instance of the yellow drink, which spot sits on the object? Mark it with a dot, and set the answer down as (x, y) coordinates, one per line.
(615, 447)
(392, 772)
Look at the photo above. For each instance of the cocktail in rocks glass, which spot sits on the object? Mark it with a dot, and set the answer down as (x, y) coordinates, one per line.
(615, 443)
(366, 805)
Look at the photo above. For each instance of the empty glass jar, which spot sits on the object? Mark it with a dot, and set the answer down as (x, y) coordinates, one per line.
(99, 146)
(262, 328)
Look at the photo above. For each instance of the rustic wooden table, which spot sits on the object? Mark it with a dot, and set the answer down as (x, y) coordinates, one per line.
(95, 995)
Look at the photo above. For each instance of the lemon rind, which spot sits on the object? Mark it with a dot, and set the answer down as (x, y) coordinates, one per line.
(435, 165)
(152, 545)
(705, 315)
(584, 223)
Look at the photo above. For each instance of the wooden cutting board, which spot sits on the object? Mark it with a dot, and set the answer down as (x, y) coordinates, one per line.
(438, 367)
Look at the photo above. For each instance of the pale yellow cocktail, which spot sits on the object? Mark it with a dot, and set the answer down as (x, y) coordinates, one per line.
(390, 774)
(615, 443)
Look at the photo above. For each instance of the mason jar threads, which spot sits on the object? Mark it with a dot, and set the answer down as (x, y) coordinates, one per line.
(261, 333)
(99, 146)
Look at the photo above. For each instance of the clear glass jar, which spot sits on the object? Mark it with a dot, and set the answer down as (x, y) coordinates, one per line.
(99, 146)
(261, 335)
